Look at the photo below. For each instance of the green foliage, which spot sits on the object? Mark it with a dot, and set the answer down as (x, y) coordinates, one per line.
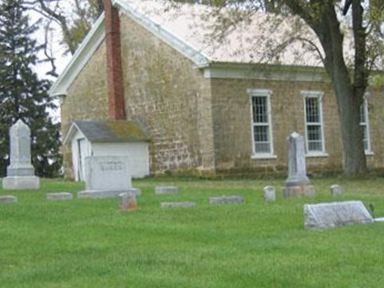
(90, 243)
(22, 94)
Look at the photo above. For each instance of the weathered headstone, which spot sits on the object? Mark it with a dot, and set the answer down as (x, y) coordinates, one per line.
(128, 201)
(335, 214)
(223, 200)
(269, 194)
(336, 190)
(297, 183)
(8, 199)
(166, 190)
(59, 196)
(106, 177)
(20, 172)
(166, 205)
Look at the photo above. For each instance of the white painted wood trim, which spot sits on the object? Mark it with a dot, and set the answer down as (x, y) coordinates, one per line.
(264, 93)
(251, 71)
(81, 57)
(319, 96)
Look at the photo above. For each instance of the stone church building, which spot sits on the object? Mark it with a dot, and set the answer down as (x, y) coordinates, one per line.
(157, 80)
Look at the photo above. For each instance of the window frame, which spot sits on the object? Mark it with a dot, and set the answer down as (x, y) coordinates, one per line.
(367, 151)
(318, 95)
(267, 94)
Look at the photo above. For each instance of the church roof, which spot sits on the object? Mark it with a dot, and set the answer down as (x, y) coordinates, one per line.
(108, 131)
(191, 30)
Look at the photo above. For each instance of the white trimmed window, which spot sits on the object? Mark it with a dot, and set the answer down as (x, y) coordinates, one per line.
(261, 123)
(364, 123)
(314, 132)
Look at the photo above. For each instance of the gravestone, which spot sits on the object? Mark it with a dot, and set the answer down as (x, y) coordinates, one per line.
(269, 194)
(128, 201)
(59, 196)
(8, 199)
(224, 200)
(106, 177)
(335, 214)
(336, 190)
(20, 172)
(166, 190)
(166, 205)
(297, 183)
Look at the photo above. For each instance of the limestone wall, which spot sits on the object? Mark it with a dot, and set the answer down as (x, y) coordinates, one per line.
(232, 125)
(170, 97)
(86, 100)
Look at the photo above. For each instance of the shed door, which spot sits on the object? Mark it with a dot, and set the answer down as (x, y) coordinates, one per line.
(81, 146)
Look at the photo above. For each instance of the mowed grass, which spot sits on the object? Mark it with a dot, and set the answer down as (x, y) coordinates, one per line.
(90, 243)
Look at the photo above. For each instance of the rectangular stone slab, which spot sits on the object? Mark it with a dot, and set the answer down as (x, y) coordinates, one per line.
(59, 196)
(226, 200)
(335, 214)
(8, 199)
(166, 205)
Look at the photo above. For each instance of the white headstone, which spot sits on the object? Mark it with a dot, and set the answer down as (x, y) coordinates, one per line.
(20, 172)
(269, 194)
(106, 176)
(297, 183)
(335, 214)
(336, 190)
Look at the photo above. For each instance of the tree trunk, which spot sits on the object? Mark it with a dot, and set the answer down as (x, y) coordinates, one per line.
(322, 18)
(354, 161)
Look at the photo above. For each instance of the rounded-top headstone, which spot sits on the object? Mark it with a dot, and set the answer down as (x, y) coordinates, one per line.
(269, 194)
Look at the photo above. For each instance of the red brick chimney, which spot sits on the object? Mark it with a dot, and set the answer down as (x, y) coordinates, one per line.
(115, 85)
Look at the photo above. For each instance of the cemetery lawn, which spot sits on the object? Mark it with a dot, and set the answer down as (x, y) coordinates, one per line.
(90, 243)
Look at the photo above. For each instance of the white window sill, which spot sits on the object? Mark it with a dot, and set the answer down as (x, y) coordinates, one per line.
(263, 156)
(369, 153)
(316, 154)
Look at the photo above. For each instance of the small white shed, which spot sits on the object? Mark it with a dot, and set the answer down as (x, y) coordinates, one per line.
(108, 138)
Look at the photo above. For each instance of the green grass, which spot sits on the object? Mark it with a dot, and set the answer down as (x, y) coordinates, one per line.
(90, 243)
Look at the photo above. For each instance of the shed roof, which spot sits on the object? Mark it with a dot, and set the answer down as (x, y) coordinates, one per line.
(108, 131)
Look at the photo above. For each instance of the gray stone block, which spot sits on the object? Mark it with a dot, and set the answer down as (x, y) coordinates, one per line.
(166, 205)
(335, 214)
(166, 190)
(224, 200)
(59, 196)
(8, 199)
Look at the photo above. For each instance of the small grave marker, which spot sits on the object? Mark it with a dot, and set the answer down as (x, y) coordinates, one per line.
(128, 201)
(166, 205)
(336, 190)
(224, 200)
(166, 190)
(59, 196)
(269, 194)
(335, 214)
(8, 199)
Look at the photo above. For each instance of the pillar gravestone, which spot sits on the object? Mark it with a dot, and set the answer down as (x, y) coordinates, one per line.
(20, 172)
(297, 183)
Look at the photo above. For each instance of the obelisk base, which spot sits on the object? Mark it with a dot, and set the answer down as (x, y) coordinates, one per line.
(21, 183)
(298, 190)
